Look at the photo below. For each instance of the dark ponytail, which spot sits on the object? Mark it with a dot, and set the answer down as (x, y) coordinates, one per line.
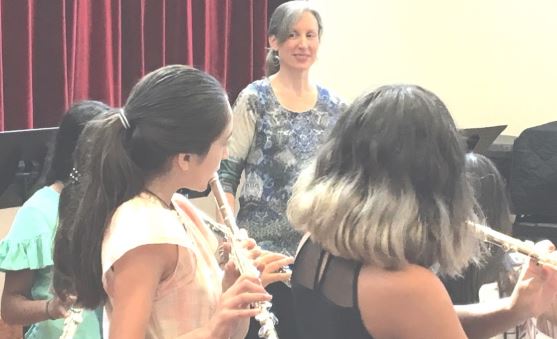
(108, 178)
(60, 161)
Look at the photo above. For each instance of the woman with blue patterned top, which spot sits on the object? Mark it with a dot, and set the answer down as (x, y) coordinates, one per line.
(279, 122)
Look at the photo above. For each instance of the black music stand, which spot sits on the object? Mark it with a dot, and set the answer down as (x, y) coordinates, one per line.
(479, 139)
(22, 156)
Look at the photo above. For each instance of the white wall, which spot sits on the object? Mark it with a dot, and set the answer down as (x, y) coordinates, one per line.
(490, 61)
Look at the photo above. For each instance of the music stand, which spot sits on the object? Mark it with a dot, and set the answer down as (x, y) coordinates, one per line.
(22, 155)
(479, 139)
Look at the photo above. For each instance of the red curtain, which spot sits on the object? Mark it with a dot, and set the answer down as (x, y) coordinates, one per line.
(57, 52)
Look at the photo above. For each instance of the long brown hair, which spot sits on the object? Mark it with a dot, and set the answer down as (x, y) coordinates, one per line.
(175, 109)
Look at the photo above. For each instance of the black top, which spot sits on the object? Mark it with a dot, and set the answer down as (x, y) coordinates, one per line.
(325, 288)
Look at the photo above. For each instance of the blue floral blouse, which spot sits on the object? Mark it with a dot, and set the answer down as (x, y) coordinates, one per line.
(272, 144)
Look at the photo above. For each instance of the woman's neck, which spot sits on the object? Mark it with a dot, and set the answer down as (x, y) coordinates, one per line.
(294, 91)
(295, 81)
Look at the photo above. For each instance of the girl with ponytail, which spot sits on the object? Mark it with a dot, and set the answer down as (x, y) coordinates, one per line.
(127, 247)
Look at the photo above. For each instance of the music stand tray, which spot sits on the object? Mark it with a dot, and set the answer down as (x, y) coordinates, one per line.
(22, 154)
(483, 137)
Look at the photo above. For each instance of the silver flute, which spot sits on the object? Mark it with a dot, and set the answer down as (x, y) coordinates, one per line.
(71, 322)
(266, 319)
(508, 243)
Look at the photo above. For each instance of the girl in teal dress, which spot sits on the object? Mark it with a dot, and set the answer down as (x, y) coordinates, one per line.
(26, 252)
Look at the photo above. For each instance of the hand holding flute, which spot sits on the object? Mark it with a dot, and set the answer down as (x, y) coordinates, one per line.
(266, 319)
(238, 293)
(72, 322)
(537, 285)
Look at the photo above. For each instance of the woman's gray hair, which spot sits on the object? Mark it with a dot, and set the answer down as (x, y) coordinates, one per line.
(280, 25)
(389, 187)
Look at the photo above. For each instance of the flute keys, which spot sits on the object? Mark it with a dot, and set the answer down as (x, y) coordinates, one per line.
(267, 332)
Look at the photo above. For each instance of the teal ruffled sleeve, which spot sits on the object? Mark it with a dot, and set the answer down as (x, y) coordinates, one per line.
(29, 242)
(31, 254)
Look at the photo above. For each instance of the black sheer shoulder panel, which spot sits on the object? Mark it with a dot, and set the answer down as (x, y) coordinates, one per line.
(324, 288)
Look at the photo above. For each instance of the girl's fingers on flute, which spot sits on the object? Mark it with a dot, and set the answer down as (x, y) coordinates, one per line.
(246, 284)
(259, 266)
(267, 256)
(254, 253)
(269, 278)
(246, 299)
(273, 261)
(69, 300)
(271, 257)
(274, 268)
(249, 243)
(245, 291)
(231, 274)
(230, 269)
(278, 264)
(226, 247)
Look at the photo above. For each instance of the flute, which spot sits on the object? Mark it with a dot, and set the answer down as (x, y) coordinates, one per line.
(266, 319)
(508, 243)
(71, 323)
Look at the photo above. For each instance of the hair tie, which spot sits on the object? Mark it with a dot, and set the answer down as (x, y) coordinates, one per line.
(123, 118)
(74, 176)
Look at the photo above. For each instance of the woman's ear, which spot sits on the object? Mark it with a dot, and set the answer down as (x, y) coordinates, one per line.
(273, 42)
(184, 161)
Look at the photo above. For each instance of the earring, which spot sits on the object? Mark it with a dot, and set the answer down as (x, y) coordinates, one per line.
(276, 57)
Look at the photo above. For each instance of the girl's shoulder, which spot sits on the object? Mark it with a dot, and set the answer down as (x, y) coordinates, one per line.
(407, 297)
(396, 281)
(38, 215)
(143, 220)
(28, 244)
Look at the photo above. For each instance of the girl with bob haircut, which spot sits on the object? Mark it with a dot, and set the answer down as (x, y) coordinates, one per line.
(133, 245)
(385, 204)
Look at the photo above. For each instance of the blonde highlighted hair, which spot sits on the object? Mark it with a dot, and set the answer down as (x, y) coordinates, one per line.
(389, 187)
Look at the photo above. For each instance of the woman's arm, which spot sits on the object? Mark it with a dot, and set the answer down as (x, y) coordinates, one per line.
(532, 295)
(408, 303)
(32, 230)
(488, 319)
(231, 202)
(244, 116)
(17, 305)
